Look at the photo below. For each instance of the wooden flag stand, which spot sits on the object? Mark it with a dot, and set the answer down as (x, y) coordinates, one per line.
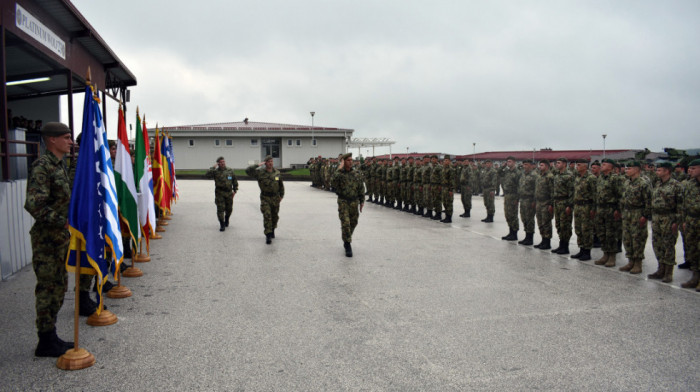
(141, 257)
(104, 318)
(119, 291)
(76, 358)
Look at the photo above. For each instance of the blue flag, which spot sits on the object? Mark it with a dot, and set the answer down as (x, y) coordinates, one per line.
(93, 215)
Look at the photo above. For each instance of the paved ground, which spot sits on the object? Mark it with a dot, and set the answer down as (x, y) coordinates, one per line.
(423, 306)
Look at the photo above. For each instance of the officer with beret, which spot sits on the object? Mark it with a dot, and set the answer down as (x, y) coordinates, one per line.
(348, 186)
(666, 217)
(635, 204)
(226, 186)
(271, 194)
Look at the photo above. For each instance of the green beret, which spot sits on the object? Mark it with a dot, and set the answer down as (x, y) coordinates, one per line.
(268, 158)
(220, 159)
(395, 157)
(545, 161)
(581, 160)
(695, 162)
(346, 156)
(446, 156)
(635, 164)
(488, 161)
(665, 165)
(433, 156)
(562, 159)
(595, 163)
(54, 129)
(510, 157)
(409, 158)
(608, 160)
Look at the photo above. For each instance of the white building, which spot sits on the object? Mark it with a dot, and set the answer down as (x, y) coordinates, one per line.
(245, 143)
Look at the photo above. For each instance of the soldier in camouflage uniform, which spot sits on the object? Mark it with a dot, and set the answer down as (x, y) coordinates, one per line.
(427, 186)
(465, 187)
(609, 191)
(489, 181)
(226, 186)
(271, 194)
(383, 169)
(584, 209)
(48, 200)
(526, 194)
(348, 187)
(418, 188)
(635, 204)
(666, 207)
(680, 175)
(407, 184)
(436, 186)
(510, 176)
(563, 198)
(690, 212)
(544, 204)
(447, 187)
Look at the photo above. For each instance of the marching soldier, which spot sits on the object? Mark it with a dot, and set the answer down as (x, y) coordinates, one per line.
(666, 203)
(584, 212)
(225, 188)
(271, 194)
(545, 206)
(510, 176)
(635, 203)
(348, 186)
(526, 193)
(563, 197)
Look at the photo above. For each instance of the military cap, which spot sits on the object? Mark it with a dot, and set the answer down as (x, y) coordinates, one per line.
(346, 156)
(681, 164)
(529, 161)
(634, 164)
(54, 129)
(511, 158)
(694, 162)
(665, 165)
(582, 160)
(562, 159)
(595, 163)
(426, 156)
(433, 156)
(409, 158)
(447, 156)
(395, 157)
(608, 160)
(220, 159)
(488, 161)
(268, 158)
(545, 161)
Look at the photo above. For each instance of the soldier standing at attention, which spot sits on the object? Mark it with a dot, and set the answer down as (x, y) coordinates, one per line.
(272, 193)
(608, 194)
(465, 185)
(666, 204)
(427, 191)
(545, 206)
(418, 187)
(635, 203)
(436, 184)
(526, 194)
(408, 198)
(563, 197)
(691, 223)
(348, 186)
(225, 188)
(510, 176)
(489, 181)
(448, 181)
(48, 200)
(584, 209)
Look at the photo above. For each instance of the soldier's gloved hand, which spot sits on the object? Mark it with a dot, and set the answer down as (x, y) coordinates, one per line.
(674, 228)
(550, 209)
(617, 215)
(592, 214)
(534, 204)
(642, 222)
(568, 210)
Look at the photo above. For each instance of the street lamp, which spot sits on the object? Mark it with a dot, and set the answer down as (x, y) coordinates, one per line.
(474, 152)
(604, 136)
(313, 141)
(406, 150)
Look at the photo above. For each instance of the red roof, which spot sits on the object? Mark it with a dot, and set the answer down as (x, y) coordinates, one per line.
(250, 126)
(537, 155)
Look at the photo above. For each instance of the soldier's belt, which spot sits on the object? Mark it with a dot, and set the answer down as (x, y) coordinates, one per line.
(218, 188)
(269, 194)
(350, 199)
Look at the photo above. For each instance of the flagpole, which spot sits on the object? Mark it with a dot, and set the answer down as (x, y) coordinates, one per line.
(141, 257)
(135, 272)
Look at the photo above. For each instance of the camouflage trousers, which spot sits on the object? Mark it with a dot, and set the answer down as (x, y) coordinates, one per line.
(224, 203)
(562, 220)
(390, 191)
(489, 201)
(428, 196)
(437, 198)
(466, 197)
(606, 228)
(382, 189)
(510, 210)
(584, 226)
(418, 195)
(527, 214)
(406, 193)
(270, 208)
(448, 200)
(692, 241)
(373, 187)
(349, 213)
(544, 220)
(663, 239)
(49, 249)
(634, 236)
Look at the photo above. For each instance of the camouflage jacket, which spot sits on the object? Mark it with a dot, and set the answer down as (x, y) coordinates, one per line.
(609, 190)
(636, 195)
(527, 185)
(418, 175)
(224, 179)
(466, 176)
(585, 188)
(448, 178)
(666, 199)
(489, 179)
(509, 180)
(691, 200)
(270, 183)
(543, 188)
(48, 192)
(426, 172)
(436, 175)
(563, 187)
(348, 185)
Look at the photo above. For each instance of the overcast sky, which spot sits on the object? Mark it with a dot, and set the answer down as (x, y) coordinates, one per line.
(435, 76)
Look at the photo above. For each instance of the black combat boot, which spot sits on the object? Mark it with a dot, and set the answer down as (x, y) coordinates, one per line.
(49, 345)
(399, 205)
(585, 255)
(596, 242)
(87, 305)
(273, 233)
(488, 219)
(105, 287)
(268, 238)
(466, 214)
(512, 236)
(546, 243)
(428, 213)
(563, 248)
(448, 219)
(437, 216)
(685, 265)
(527, 240)
(577, 255)
(348, 249)
(226, 221)
(222, 226)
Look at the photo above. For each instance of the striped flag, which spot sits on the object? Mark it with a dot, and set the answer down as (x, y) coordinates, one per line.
(93, 215)
(144, 182)
(126, 187)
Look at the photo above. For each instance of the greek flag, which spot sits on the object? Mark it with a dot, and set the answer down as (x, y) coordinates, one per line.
(93, 215)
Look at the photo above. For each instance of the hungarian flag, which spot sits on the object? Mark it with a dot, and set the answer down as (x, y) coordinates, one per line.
(144, 182)
(93, 216)
(124, 180)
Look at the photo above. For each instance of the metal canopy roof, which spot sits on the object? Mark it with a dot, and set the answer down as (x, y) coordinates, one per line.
(26, 58)
(371, 142)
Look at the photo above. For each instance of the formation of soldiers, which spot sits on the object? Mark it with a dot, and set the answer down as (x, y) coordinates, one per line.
(606, 204)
